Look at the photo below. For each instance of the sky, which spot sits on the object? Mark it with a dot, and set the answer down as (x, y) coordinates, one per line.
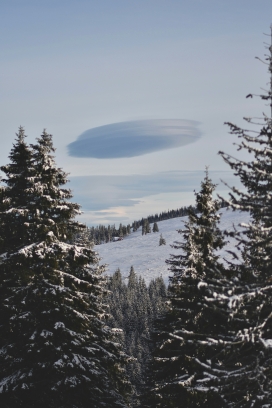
(135, 93)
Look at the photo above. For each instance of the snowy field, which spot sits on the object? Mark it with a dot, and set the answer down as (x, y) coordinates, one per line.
(144, 252)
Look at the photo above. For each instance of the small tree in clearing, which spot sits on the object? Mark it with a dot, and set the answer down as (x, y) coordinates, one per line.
(162, 240)
(155, 227)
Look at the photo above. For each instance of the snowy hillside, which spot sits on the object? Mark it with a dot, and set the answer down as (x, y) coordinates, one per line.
(144, 252)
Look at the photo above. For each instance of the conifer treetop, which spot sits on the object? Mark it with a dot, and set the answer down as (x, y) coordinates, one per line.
(48, 186)
(256, 176)
(201, 236)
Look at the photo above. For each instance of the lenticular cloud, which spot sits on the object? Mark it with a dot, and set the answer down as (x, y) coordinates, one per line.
(135, 138)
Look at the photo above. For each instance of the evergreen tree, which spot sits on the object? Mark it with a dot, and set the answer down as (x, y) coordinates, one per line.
(246, 364)
(187, 336)
(56, 350)
(134, 308)
(143, 229)
(82, 237)
(17, 195)
(155, 227)
(121, 231)
(162, 240)
(132, 279)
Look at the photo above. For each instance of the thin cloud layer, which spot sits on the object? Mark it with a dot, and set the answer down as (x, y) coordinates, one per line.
(127, 191)
(134, 138)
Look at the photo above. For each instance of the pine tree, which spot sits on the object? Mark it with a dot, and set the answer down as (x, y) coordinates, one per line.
(247, 379)
(188, 334)
(56, 350)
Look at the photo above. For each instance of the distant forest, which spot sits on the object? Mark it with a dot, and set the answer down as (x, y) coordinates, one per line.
(102, 234)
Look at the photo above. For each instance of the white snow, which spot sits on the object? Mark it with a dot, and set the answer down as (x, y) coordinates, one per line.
(201, 284)
(59, 325)
(145, 254)
(266, 342)
(46, 333)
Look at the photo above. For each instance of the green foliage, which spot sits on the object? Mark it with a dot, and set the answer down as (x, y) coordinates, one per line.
(146, 227)
(195, 320)
(155, 227)
(56, 349)
(17, 195)
(134, 307)
(246, 363)
(162, 241)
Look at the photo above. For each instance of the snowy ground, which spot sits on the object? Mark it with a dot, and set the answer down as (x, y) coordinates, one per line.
(144, 252)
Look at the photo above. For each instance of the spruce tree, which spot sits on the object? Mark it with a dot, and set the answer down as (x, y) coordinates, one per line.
(187, 335)
(56, 350)
(143, 229)
(147, 227)
(120, 231)
(155, 227)
(162, 241)
(16, 195)
(246, 364)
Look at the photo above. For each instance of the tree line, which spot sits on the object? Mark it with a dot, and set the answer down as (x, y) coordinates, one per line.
(102, 234)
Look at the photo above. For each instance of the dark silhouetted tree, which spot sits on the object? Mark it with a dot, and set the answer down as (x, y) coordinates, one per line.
(188, 334)
(56, 350)
(246, 379)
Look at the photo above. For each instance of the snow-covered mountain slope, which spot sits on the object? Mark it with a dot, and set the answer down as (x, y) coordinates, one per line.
(145, 254)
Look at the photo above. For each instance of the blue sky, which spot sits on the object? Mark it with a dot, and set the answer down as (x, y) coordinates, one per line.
(71, 66)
